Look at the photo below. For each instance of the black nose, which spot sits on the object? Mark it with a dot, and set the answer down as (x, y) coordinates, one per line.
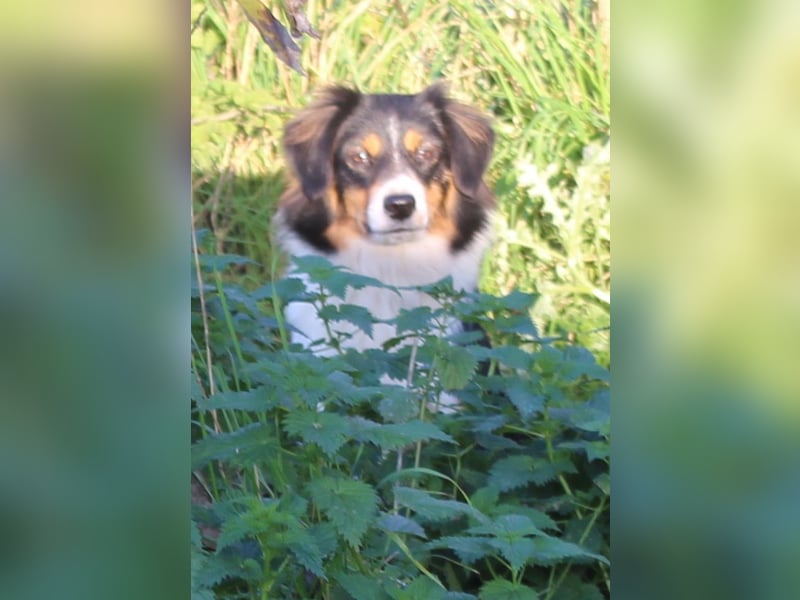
(399, 206)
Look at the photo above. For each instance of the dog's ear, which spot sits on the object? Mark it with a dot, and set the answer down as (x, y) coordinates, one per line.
(308, 138)
(470, 138)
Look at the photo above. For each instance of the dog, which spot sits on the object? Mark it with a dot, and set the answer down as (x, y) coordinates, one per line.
(391, 187)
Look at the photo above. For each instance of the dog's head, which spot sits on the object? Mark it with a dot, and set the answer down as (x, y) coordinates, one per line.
(387, 168)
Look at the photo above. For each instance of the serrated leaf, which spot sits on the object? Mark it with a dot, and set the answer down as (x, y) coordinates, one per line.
(327, 430)
(361, 587)
(548, 550)
(257, 518)
(517, 552)
(545, 471)
(502, 589)
(524, 398)
(468, 549)
(594, 450)
(355, 315)
(520, 324)
(512, 472)
(513, 357)
(252, 443)
(578, 361)
(289, 288)
(457, 367)
(516, 471)
(398, 404)
(401, 524)
(508, 527)
(429, 508)
(333, 278)
(304, 547)
(593, 416)
(539, 519)
(397, 435)
(415, 319)
(349, 504)
(487, 423)
(421, 588)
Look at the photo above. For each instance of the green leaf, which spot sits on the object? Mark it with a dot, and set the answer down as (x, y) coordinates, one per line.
(594, 450)
(432, 509)
(252, 443)
(421, 588)
(516, 471)
(509, 535)
(413, 320)
(578, 361)
(361, 587)
(398, 404)
(457, 367)
(327, 430)
(396, 435)
(303, 546)
(594, 415)
(468, 549)
(508, 527)
(401, 524)
(356, 315)
(539, 519)
(512, 472)
(333, 278)
(517, 551)
(523, 396)
(350, 505)
(548, 550)
(502, 589)
(513, 357)
(258, 517)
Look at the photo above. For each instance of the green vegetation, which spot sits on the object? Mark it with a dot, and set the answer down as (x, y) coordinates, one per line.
(378, 497)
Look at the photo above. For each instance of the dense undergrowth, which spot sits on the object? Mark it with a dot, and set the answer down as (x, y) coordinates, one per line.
(379, 496)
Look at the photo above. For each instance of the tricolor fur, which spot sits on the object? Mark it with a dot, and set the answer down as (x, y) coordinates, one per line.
(389, 186)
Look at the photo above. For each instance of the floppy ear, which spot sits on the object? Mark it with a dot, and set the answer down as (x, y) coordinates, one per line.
(308, 138)
(470, 138)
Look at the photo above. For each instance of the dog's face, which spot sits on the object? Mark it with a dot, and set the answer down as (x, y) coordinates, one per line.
(390, 169)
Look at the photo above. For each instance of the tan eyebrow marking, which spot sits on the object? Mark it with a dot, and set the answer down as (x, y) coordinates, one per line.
(412, 140)
(372, 144)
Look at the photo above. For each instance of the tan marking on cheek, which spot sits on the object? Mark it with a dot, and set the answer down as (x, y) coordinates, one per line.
(372, 144)
(412, 140)
(350, 214)
(442, 208)
(355, 201)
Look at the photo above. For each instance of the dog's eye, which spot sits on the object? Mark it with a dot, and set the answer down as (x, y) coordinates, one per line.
(360, 158)
(427, 154)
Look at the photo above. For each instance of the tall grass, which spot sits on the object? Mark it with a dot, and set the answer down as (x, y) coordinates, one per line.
(539, 67)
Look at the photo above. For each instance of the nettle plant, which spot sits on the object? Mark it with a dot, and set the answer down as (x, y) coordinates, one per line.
(380, 495)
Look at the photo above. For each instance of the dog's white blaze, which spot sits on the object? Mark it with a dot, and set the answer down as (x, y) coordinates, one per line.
(380, 223)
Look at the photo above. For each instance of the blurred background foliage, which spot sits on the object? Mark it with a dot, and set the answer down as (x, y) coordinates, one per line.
(539, 68)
